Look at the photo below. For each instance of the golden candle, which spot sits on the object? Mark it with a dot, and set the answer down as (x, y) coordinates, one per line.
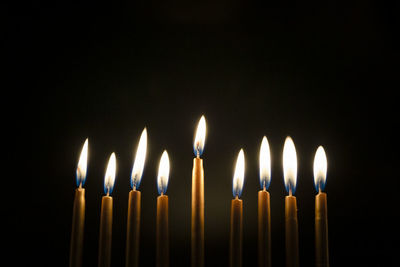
(197, 220)
(291, 224)
(162, 232)
(264, 210)
(105, 235)
(78, 212)
(321, 209)
(236, 225)
(134, 205)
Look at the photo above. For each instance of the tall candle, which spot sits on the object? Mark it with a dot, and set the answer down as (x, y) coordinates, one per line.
(321, 209)
(291, 224)
(162, 232)
(236, 227)
(105, 235)
(134, 205)
(78, 212)
(197, 220)
(264, 210)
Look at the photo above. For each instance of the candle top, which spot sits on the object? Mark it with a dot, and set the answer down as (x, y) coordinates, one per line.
(138, 165)
(81, 170)
(265, 164)
(199, 140)
(320, 168)
(163, 173)
(238, 177)
(289, 165)
(109, 178)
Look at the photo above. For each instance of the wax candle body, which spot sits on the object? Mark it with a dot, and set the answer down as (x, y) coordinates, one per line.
(133, 229)
(321, 230)
(105, 231)
(197, 225)
(162, 232)
(236, 234)
(264, 229)
(78, 223)
(291, 231)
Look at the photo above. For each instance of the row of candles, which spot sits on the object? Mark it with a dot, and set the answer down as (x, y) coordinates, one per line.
(197, 215)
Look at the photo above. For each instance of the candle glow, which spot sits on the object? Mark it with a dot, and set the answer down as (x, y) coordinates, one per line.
(109, 178)
(265, 164)
(238, 177)
(198, 145)
(163, 173)
(137, 170)
(320, 169)
(81, 170)
(289, 166)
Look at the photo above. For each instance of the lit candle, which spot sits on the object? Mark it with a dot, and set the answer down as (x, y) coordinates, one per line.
(264, 211)
(291, 224)
(106, 215)
(321, 209)
(78, 213)
(197, 224)
(162, 253)
(236, 234)
(133, 223)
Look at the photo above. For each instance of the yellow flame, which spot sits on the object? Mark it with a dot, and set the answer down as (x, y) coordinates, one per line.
(138, 165)
(289, 165)
(320, 168)
(109, 178)
(82, 164)
(238, 177)
(265, 164)
(200, 138)
(163, 173)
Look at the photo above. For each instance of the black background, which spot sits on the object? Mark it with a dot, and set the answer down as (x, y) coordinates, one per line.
(322, 73)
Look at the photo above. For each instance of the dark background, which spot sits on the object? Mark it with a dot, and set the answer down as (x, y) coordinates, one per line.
(323, 73)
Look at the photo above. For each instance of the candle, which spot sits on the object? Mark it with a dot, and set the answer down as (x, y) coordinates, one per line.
(236, 233)
(162, 251)
(78, 212)
(197, 220)
(321, 209)
(106, 215)
(264, 211)
(291, 224)
(134, 203)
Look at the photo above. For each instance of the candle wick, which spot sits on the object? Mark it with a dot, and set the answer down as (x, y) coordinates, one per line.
(198, 152)
(319, 188)
(80, 185)
(237, 196)
(264, 187)
(290, 190)
(108, 193)
(162, 193)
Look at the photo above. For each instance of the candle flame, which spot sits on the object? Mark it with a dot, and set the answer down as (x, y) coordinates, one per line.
(81, 170)
(109, 178)
(320, 168)
(238, 177)
(289, 165)
(138, 165)
(265, 164)
(198, 145)
(163, 173)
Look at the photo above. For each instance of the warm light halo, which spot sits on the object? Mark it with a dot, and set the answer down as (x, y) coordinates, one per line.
(289, 165)
(138, 165)
(265, 164)
(163, 173)
(238, 177)
(109, 178)
(81, 170)
(199, 140)
(320, 169)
